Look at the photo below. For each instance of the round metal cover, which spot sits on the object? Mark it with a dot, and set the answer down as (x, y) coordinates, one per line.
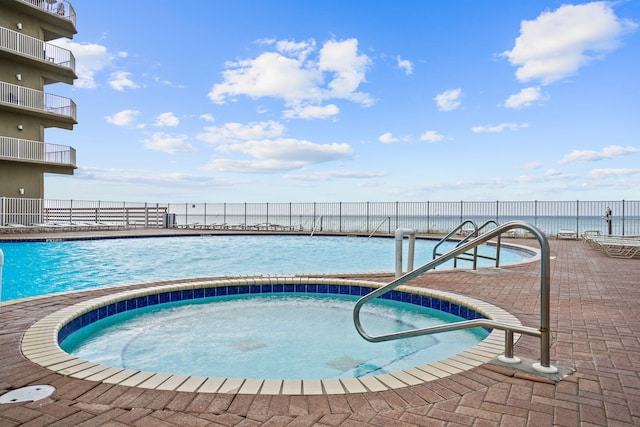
(27, 394)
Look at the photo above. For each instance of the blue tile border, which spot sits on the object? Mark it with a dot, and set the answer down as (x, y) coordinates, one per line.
(165, 297)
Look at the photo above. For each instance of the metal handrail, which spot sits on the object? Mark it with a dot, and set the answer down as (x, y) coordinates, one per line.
(379, 225)
(474, 233)
(544, 332)
(498, 243)
(315, 226)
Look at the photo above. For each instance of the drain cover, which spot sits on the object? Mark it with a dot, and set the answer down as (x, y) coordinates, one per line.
(27, 394)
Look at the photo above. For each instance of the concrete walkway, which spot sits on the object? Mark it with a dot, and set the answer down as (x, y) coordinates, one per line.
(595, 319)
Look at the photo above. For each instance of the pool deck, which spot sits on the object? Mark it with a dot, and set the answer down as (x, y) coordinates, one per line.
(595, 322)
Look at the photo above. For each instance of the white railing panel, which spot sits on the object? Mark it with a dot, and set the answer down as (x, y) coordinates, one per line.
(37, 100)
(23, 149)
(61, 8)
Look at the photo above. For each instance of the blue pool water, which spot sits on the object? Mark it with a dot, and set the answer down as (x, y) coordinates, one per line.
(284, 336)
(38, 268)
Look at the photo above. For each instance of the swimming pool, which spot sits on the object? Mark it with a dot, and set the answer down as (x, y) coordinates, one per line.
(40, 341)
(39, 268)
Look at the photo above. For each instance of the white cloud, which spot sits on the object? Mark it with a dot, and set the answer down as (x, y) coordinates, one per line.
(610, 152)
(431, 136)
(91, 58)
(123, 118)
(449, 99)
(525, 98)
(138, 176)
(388, 138)
(300, 50)
(207, 117)
(405, 65)
(300, 81)
(348, 67)
(232, 132)
(312, 112)
(337, 174)
(606, 173)
(556, 44)
(532, 165)
(167, 120)
(292, 150)
(120, 80)
(252, 166)
(499, 128)
(171, 144)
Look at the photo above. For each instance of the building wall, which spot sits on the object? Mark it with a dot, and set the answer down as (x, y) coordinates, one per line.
(16, 122)
(16, 175)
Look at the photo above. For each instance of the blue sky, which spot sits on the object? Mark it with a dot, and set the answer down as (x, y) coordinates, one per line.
(277, 101)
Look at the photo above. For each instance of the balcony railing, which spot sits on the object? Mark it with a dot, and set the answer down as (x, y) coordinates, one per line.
(36, 151)
(35, 48)
(60, 8)
(37, 100)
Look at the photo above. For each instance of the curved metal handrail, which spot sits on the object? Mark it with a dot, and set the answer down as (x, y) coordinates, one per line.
(454, 231)
(380, 225)
(544, 332)
(498, 244)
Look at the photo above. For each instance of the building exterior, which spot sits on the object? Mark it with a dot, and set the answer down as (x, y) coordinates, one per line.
(28, 63)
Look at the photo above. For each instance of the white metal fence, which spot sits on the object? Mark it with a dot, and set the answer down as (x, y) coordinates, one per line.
(37, 100)
(344, 217)
(24, 149)
(36, 48)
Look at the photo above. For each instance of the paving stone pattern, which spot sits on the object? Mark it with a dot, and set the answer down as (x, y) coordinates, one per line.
(595, 321)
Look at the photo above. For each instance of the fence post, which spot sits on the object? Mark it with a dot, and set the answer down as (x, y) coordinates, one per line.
(623, 217)
(577, 217)
(340, 217)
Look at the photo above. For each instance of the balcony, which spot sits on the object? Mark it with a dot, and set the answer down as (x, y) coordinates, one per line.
(36, 151)
(57, 18)
(60, 8)
(37, 49)
(49, 57)
(61, 111)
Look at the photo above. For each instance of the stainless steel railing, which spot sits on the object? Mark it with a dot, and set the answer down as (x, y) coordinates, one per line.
(543, 332)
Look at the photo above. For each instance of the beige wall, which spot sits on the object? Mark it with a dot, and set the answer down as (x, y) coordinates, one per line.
(31, 126)
(14, 175)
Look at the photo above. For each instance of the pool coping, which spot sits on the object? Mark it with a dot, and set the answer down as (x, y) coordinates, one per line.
(40, 345)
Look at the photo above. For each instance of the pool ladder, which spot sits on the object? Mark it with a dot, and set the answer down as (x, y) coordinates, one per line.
(543, 332)
(475, 232)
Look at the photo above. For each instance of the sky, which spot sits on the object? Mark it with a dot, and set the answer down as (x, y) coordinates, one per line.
(333, 100)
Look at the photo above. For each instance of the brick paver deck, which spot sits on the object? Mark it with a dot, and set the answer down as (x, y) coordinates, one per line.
(595, 319)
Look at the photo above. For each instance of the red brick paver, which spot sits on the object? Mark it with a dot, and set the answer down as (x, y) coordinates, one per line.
(595, 320)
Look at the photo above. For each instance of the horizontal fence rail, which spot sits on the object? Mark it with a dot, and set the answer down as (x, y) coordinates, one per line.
(24, 149)
(554, 218)
(35, 48)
